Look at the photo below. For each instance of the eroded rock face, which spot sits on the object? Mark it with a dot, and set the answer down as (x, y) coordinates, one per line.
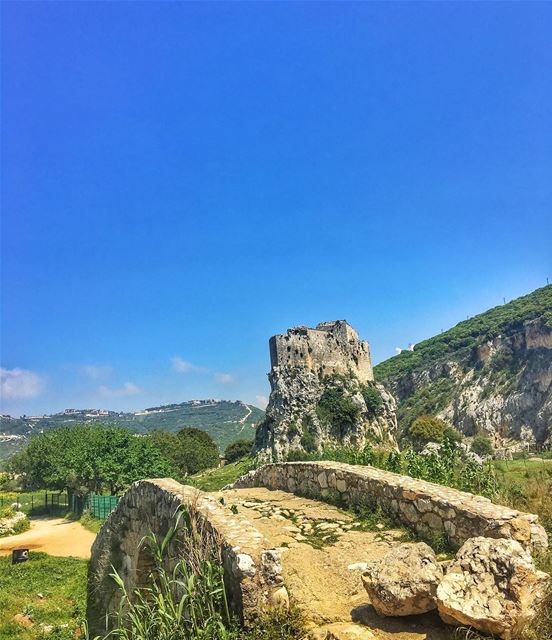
(492, 586)
(476, 400)
(306, 363)
(404, 582)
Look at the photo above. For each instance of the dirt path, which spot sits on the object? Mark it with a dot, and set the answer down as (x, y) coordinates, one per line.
(55, 536)
(321, 546)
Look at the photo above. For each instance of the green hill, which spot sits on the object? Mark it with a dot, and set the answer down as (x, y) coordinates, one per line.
(223, 420)
(490, 373)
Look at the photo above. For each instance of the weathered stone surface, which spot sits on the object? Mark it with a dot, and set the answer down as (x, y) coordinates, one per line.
(304, 362)
(421, 505)
(493, 586)
(252, 570)
(404, 582)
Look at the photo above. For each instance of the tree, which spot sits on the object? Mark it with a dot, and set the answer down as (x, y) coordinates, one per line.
(238, 450)
(482, 446)
(88, 458)
(190, 450)
(426, 429)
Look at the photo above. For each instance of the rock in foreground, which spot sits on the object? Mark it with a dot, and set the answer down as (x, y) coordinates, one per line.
(404, 582)
(493, 586)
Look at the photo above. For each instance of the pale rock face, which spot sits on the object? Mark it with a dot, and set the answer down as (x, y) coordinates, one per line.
(292, 421)
(493, 586)
(404, 582)
(484, 401)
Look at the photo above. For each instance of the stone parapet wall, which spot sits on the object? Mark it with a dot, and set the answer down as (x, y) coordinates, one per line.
(252, 570)
(424, 506)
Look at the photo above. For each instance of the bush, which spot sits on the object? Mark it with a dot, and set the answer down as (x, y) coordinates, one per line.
(372, 398)
(337, 409)
(452, 435)
(482, 446)
(426, 429)
(238, 450)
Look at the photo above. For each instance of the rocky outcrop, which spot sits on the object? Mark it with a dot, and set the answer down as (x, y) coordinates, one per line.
(493, 586)
(501, 388)
(423, 506)
(404, 582)
(12, 524)
(323, 394)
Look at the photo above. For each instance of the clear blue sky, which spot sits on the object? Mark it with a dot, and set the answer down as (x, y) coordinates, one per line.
(182, 180)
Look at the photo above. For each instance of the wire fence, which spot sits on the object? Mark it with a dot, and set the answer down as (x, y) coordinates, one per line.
(60, 503)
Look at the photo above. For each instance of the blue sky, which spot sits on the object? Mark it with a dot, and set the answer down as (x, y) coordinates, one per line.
(182, 180)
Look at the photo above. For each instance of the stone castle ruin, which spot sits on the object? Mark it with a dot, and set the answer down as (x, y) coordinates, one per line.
(278, 535)
(331, 347)
(323, 393)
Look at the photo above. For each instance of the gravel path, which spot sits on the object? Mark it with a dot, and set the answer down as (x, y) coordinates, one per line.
(55, 536)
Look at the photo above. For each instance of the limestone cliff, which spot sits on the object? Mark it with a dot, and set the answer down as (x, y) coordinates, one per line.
(323, 394)
(491, 374)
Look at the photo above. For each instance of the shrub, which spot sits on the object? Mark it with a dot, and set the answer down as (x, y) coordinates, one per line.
(238, 450)
(426, 429)
(337, 409)
(482, 446)
(452, 435)
(372, 398)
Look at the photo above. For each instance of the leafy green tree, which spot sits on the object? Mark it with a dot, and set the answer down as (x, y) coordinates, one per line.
(196, 451)
(482, 446)
(88, 458)
(190, 450)
(426, 429)
(238, 450)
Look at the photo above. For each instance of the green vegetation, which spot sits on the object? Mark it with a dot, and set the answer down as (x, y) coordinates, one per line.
(372, 398)
(450, 466)
(224, 421)
(189, 603)
(237, 450)
(216, 479)
(337, 409)
(62, 584)
(482, 446)
(88, 458)
(458, 342)
(426, 429)
(189, 451)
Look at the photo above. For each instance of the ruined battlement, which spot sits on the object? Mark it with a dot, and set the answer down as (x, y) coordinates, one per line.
(331, 347)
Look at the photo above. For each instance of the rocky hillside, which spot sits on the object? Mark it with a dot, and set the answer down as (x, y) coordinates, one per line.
(323, 394)
(490, 374)
(223, 420)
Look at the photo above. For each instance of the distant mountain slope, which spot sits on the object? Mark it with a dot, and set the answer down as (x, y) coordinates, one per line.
(224, 421)
(491, 373)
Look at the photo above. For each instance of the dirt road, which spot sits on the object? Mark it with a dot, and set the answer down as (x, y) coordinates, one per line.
(55, 536)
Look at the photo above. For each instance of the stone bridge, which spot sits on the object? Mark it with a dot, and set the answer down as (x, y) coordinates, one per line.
(277, 535)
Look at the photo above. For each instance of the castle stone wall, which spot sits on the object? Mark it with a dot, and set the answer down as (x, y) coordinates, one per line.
(423, 506)
(331, 347)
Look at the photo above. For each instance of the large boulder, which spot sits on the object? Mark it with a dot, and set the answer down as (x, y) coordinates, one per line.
(404, 582)
(493, 586)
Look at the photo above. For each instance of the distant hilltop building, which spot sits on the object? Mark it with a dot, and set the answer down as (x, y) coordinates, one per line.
(331, 347)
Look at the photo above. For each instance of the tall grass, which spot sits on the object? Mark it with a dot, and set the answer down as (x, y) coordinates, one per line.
(187, 602)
